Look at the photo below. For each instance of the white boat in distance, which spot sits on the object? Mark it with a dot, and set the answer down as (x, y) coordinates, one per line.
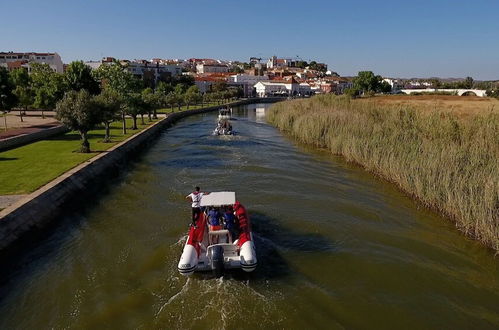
(225, 114)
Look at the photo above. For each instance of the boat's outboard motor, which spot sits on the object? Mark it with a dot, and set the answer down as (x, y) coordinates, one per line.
(217, 258)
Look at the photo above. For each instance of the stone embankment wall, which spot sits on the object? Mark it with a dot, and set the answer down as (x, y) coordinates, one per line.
(39, 208)
(20, 140)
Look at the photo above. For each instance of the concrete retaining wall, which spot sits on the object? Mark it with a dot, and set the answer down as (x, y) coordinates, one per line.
(42, 206)
(20, 140)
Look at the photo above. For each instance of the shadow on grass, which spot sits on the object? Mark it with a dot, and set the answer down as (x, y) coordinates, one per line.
(7, 158)
(74, 137)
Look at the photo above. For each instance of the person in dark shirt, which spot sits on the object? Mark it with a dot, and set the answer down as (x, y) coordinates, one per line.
(214, 219)
(230, 223)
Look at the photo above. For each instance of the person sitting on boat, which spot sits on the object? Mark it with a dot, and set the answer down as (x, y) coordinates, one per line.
(195, 198)
(214, 219)
(230, 222)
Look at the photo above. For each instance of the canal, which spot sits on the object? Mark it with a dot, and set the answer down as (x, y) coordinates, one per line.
(337, 247)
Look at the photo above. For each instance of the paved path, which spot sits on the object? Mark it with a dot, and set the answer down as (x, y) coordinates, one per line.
(7, 200)
(27, 130)
(30, 124)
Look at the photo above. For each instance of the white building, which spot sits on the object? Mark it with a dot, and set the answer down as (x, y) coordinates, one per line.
(246, 78)
(12, 60)
(142, 68)
(282, 88)
(210, 68)
(246, 82)
(275, 62)
(394, 83)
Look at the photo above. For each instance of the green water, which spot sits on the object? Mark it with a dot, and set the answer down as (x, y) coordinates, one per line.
(337, 247)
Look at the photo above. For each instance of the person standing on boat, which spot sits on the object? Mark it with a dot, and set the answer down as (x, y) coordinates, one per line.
(195, 198)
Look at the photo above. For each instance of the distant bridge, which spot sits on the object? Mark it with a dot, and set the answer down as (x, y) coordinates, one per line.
(460, 92)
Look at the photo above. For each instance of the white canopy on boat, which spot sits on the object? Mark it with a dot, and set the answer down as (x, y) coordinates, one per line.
(219, 198)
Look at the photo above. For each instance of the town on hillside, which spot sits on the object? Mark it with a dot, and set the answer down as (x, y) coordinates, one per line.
(258, 77)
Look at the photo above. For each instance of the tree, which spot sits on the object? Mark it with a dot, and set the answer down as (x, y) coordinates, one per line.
(164, 88)
(23, 90)
(152, 101)
(384, 87)
(170, 100)
(352, 92)
(192, 95)
(115, 77)
(369, 84)
(48, 86)
(159, 99)
(493, 93)
(78, 111)
(185, 80)
(219, 86)
(468, 82)
(435, 83)
(366, 81)
(79, 76)
(179, 95)
(134, 106)
(109, 104)
(7, 97)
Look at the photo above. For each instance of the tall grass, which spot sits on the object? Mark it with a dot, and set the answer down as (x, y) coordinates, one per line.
(449, 163)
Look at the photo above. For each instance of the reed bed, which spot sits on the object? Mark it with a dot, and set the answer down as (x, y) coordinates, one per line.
(447, 162)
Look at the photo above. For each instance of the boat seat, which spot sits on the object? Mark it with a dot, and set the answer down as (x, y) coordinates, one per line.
(223, 234)
(219, 232)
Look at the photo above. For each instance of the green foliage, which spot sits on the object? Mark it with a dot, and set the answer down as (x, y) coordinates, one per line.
(301, 64)
(447, 162)
(468, 82)
(164, 88)
(79, 76)
(115, 77)
(493, 93)
(369, 83)
(48, 86)
(7, 97)
(78, 111)
(219, 86)
(23, 91)
(237, 68)
(109, 103)
(352, 92)
(321, 67)
(134, 106)
(192, 96)
(33, 165)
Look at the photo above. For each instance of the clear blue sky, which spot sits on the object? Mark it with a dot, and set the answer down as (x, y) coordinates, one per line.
(394, 38)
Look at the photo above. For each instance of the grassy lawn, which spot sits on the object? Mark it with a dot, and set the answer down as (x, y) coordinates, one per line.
(24, 169)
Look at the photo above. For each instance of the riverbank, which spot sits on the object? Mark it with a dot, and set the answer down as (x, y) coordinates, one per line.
(446, 161)
(36, 210)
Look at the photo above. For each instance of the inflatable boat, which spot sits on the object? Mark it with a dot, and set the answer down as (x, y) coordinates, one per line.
(222, 247)
(222, 131)
(224, 127)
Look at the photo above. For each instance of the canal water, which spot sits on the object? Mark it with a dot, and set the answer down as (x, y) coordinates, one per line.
(337, 247)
